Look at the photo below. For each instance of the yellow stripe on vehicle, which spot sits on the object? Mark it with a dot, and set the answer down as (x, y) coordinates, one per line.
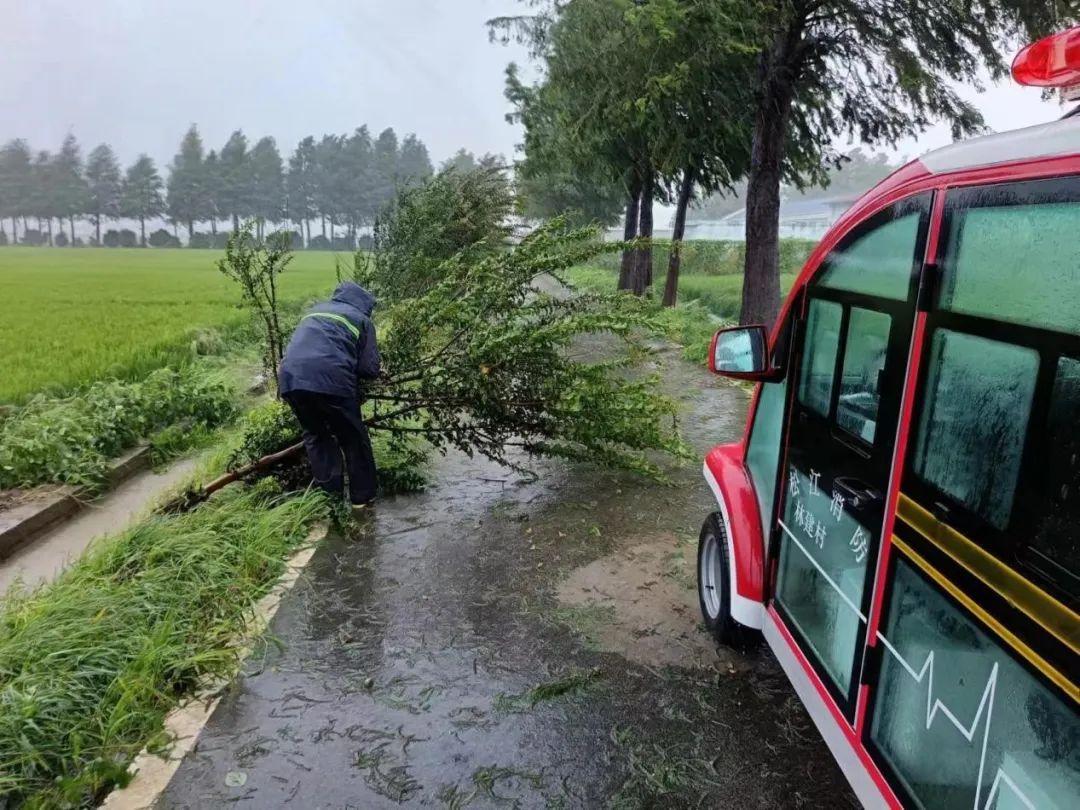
(1031, 600)
(1036, 660)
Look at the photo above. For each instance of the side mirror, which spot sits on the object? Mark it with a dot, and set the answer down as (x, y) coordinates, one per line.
(741, 352)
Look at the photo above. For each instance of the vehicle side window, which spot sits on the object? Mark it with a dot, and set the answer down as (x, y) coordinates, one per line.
(959, 721)
(865, 349)
(822, 341)
(996, 444)
(975, 416)
(878, 263)
(763, 452)
(1053, 511)
(990, 245)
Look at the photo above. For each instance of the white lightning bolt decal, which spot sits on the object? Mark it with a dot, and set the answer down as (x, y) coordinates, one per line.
(933, 704)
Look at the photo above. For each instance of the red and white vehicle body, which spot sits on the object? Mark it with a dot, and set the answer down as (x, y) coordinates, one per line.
(901, 519)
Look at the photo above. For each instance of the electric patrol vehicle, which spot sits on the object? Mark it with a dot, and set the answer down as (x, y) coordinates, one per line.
(901, 520)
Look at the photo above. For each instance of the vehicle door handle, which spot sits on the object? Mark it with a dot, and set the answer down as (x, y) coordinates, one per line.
(858, 494)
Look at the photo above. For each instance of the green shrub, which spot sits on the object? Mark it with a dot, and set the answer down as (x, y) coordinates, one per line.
(717, 257)
(71, 440)
(161, 238)
(263, 430)
(91, 664)
(721, 295)
(705, 303)
(176, 440)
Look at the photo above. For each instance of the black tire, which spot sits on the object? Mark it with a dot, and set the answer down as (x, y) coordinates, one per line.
(714, 583)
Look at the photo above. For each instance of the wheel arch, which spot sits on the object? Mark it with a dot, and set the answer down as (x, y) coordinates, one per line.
(726, 475)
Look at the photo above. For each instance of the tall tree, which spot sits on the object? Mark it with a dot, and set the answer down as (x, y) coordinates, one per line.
(103, 186)
(414, 163)
(330, 184)
(300, 186)
(591, 72)
(872, 70)
(461, 161)
(186, 189)
(385, 164)
(141, 196)
(211, 189)
(549, 180)
(359, 195)
(267, 183)
(637, 96)
(69, 189)
(697, 47)
(16, 167)
(235, 193)
(42, 202)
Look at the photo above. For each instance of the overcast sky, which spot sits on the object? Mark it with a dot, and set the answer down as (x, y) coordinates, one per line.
(136, 73)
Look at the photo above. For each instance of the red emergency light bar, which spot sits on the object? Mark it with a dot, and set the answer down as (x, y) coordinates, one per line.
(1051, 62)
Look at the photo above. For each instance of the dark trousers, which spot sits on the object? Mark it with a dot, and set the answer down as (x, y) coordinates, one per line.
(332, 427)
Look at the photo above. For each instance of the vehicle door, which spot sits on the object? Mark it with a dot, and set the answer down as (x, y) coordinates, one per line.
(849, 359)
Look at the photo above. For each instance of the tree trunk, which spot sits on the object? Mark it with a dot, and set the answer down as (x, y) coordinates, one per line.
(49, 223)
(324, 226)
(307, 232)
(142, 231)
(686, 193)
(761, 278)
(71, 227)
(213, 226)
(641, 279)
(190, 230)
(630, 232)
(235, 223)
(97, 228)
(14, 230)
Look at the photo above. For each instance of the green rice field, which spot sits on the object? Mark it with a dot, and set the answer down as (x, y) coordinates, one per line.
(72, 316)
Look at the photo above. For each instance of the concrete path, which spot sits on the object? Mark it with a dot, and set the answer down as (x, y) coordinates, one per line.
(504, 641)
(49, 553)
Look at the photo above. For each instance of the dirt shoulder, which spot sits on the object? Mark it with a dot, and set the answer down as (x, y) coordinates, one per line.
(503, 640)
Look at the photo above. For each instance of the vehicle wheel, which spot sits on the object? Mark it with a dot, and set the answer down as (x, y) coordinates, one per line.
(714, 583)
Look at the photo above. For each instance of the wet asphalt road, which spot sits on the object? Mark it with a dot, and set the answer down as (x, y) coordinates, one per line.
(408, 659)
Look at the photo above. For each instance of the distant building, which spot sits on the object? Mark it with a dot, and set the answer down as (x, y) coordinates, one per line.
(801, 217)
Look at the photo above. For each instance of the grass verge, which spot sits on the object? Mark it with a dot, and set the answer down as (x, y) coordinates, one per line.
(705, 303)
(91, 663)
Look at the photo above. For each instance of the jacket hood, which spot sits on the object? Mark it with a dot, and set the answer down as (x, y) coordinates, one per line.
(351, 293)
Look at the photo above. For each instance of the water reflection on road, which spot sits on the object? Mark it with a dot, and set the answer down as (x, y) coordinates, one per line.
(499, 640)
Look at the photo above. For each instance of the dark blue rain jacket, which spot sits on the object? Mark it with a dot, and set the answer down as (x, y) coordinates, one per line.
(334, 346)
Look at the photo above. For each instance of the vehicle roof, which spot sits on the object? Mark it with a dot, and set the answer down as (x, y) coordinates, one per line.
(1042, 140)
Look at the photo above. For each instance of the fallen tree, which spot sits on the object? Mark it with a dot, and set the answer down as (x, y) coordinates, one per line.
(484, 349)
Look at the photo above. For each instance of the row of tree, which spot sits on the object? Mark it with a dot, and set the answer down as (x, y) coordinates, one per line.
(667, 99)
(340, 181)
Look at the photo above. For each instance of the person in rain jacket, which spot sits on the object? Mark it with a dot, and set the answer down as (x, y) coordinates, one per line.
(331, 352)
